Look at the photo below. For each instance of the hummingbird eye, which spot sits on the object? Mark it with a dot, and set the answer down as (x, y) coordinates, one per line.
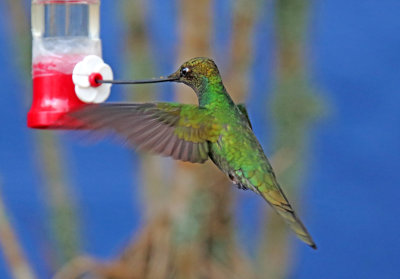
(185, 71)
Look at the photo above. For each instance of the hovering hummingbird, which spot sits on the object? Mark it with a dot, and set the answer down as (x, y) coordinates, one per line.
(217, 129)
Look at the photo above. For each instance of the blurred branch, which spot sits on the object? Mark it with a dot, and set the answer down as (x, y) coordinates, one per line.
(77, 267)
(19, 266)
(63, 219)
(22, 40)
(294, 107)
(245, 13)
(139, 62)
(195, 31)
(22, 37)
(139, 65)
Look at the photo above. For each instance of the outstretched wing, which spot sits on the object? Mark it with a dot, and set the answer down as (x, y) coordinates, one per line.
(170, 129)
(243, 110)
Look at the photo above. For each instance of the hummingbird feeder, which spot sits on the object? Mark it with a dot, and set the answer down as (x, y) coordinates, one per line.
(66, 60)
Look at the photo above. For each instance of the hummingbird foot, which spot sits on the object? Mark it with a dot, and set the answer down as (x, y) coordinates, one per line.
(237, 183)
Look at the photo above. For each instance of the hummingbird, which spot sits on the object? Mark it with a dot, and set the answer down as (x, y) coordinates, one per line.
(216, 129)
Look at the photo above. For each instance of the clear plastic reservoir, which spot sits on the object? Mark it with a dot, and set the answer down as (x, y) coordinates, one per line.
(63, 33)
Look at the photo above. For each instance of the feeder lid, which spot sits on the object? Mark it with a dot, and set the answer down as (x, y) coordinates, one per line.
(84, 76)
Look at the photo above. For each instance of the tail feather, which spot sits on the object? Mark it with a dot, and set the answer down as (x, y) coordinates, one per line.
(265, 184)
(277, 199)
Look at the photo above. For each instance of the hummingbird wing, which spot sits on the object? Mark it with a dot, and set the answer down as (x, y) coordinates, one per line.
(178, 130)
(243, 111)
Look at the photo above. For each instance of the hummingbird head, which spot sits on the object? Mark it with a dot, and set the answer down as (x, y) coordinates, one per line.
(197, 73)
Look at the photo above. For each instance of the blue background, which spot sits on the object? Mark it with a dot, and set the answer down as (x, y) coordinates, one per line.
(353, 179)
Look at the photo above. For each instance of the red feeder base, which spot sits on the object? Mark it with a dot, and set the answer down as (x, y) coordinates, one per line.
(53, 96)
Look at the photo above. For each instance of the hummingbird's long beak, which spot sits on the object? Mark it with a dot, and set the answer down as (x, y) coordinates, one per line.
(173, 77)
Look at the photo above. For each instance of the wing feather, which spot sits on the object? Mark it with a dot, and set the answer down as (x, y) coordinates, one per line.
(180, 131)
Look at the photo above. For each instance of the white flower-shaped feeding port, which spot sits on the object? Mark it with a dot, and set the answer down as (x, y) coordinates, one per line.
(85, 76)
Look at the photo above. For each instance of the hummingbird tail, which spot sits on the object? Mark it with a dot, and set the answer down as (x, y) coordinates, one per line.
(279, 202)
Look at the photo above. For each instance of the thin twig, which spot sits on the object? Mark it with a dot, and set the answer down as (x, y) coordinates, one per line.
(76, 268)
(19, 266)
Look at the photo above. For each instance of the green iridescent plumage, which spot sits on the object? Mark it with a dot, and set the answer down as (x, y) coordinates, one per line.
(217, 129)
